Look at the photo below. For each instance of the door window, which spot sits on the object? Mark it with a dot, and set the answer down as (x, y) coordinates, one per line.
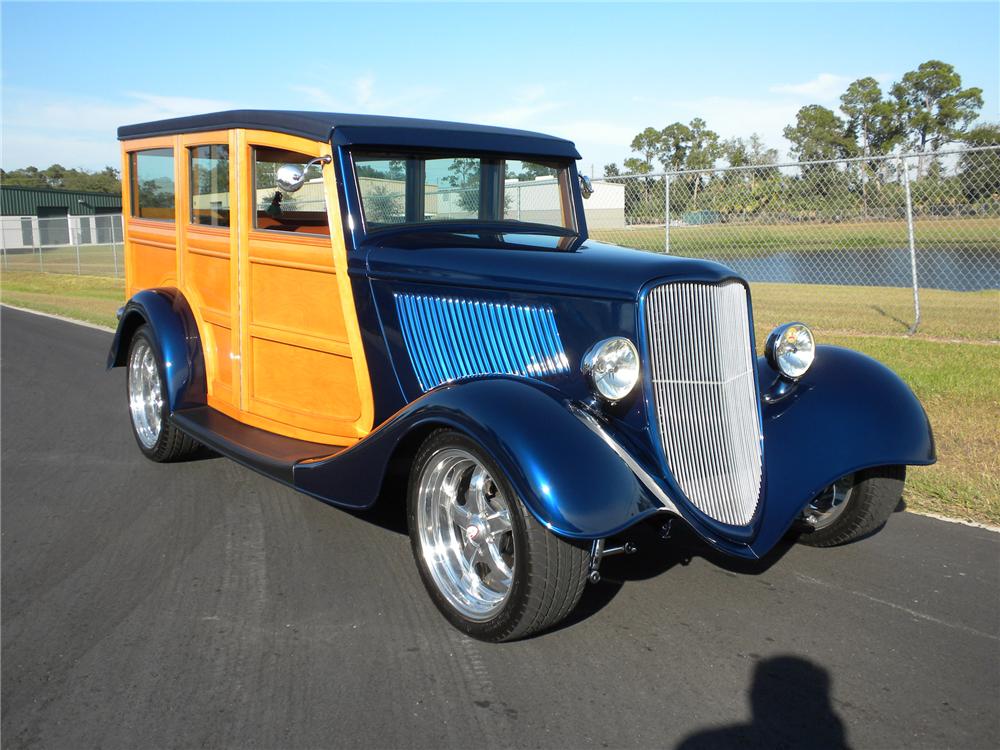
(210, 185)
(153, 184)
(302, 212)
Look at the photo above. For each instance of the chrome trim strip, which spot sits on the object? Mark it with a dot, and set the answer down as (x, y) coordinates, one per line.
(701, 372)
(641, 474)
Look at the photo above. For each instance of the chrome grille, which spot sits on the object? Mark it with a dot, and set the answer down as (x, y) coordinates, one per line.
(702, 374)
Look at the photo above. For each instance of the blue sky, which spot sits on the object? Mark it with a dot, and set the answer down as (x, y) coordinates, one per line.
(595, 73)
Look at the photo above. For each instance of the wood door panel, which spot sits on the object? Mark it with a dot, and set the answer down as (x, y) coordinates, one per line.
(308, 388)
(152, 255)
(296, 300)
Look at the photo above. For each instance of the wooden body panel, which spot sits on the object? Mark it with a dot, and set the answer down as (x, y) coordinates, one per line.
(275, 310)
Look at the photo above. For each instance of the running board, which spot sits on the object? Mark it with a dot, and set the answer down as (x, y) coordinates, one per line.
(260, 450)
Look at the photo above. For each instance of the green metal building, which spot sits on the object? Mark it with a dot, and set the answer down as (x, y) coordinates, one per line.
(32, 217)
(45, 202)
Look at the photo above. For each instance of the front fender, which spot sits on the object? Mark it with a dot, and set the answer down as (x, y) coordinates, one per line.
(848, 413)
(565, 474)
(175, 335)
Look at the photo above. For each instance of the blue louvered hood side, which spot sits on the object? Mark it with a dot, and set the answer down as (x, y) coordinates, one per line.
(452, 338)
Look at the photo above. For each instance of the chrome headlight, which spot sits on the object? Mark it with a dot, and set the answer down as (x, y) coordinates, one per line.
(612, 368)
(790, 349)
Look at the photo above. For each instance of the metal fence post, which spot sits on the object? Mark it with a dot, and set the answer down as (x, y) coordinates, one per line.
(666, 213)
(76, 240)
(913, 246)
(36, 240)
(3, 242)
(114, 244)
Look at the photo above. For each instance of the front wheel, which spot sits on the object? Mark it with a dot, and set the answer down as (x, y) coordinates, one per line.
(853, 507)
(489, 566)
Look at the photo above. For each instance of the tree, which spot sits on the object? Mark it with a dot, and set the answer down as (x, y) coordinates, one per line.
(979, 171)
(873, 126)
(648, 144)
(675, 141)
(873, 122)
(935, 109)
(752, 152)
(465, 178)
(818, 134)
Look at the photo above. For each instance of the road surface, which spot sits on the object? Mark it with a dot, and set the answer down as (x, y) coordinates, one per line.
(202, 605)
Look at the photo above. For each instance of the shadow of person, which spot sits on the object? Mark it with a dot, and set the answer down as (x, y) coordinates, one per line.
(790, 701)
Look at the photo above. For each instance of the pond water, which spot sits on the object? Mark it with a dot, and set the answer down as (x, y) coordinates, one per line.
(959, 270)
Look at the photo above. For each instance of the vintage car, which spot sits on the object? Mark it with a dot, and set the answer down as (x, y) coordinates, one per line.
(369, 307)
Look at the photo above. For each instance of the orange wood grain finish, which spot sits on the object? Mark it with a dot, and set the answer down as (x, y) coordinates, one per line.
(275, 310)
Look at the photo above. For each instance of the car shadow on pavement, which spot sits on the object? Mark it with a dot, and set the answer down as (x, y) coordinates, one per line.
(790, 707)
(656, 556)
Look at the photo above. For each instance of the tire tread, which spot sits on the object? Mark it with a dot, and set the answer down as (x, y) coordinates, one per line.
(876, 495)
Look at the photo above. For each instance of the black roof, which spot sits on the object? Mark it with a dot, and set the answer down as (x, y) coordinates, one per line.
(368, 130)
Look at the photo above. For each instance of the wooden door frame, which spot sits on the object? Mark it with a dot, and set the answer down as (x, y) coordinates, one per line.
(245, 140)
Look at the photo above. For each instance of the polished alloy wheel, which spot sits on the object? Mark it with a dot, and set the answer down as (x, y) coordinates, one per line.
(829, 504)
(145, 398)
(465, 533)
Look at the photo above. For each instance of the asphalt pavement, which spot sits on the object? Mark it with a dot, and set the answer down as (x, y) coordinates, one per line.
(202, 605)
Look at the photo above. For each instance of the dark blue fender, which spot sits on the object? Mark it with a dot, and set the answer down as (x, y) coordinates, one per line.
(565, 473)
(175, 334)
(848, 413)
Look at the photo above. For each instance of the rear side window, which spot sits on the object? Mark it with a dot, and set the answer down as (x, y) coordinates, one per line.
(210, 185)
(302, 212)
(153, 184)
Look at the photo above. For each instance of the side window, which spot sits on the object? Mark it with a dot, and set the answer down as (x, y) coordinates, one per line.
(210, 185)
(153, 184)
(303, 211)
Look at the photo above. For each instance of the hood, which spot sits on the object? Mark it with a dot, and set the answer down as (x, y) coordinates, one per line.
(529, 264)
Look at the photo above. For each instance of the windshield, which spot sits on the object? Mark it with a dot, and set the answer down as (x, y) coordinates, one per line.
(399, 190)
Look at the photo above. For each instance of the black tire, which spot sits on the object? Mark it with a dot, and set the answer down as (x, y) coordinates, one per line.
(549, 573)
(170, 444)
(875, 494)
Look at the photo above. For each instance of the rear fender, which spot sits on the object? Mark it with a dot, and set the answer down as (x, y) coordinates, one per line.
(175, 335)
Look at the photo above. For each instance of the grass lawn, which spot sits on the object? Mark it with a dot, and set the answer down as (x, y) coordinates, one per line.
(748, 240)
(953, 364)
(91, 298)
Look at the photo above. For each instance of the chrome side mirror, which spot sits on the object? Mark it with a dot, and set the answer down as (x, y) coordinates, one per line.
(291, 177)
(586, 186)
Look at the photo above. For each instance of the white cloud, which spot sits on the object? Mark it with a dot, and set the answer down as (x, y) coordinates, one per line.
(524, 108)
(42, 127)
(824, 87)
(364, 95)
(314, 96)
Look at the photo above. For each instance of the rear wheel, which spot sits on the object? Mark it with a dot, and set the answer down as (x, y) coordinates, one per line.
(489, 566)
(157, 437)
(853, 507)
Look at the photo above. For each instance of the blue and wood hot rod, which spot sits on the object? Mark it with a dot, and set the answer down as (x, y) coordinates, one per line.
(365, 307)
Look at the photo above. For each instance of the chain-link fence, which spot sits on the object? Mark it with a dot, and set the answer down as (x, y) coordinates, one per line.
(915, 220)
(83, 245)
(912, 221)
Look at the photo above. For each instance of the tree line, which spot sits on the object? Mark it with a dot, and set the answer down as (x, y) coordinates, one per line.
(58, 177)
(925, 111)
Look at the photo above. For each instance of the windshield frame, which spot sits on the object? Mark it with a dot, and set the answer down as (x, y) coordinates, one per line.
(564, 178)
